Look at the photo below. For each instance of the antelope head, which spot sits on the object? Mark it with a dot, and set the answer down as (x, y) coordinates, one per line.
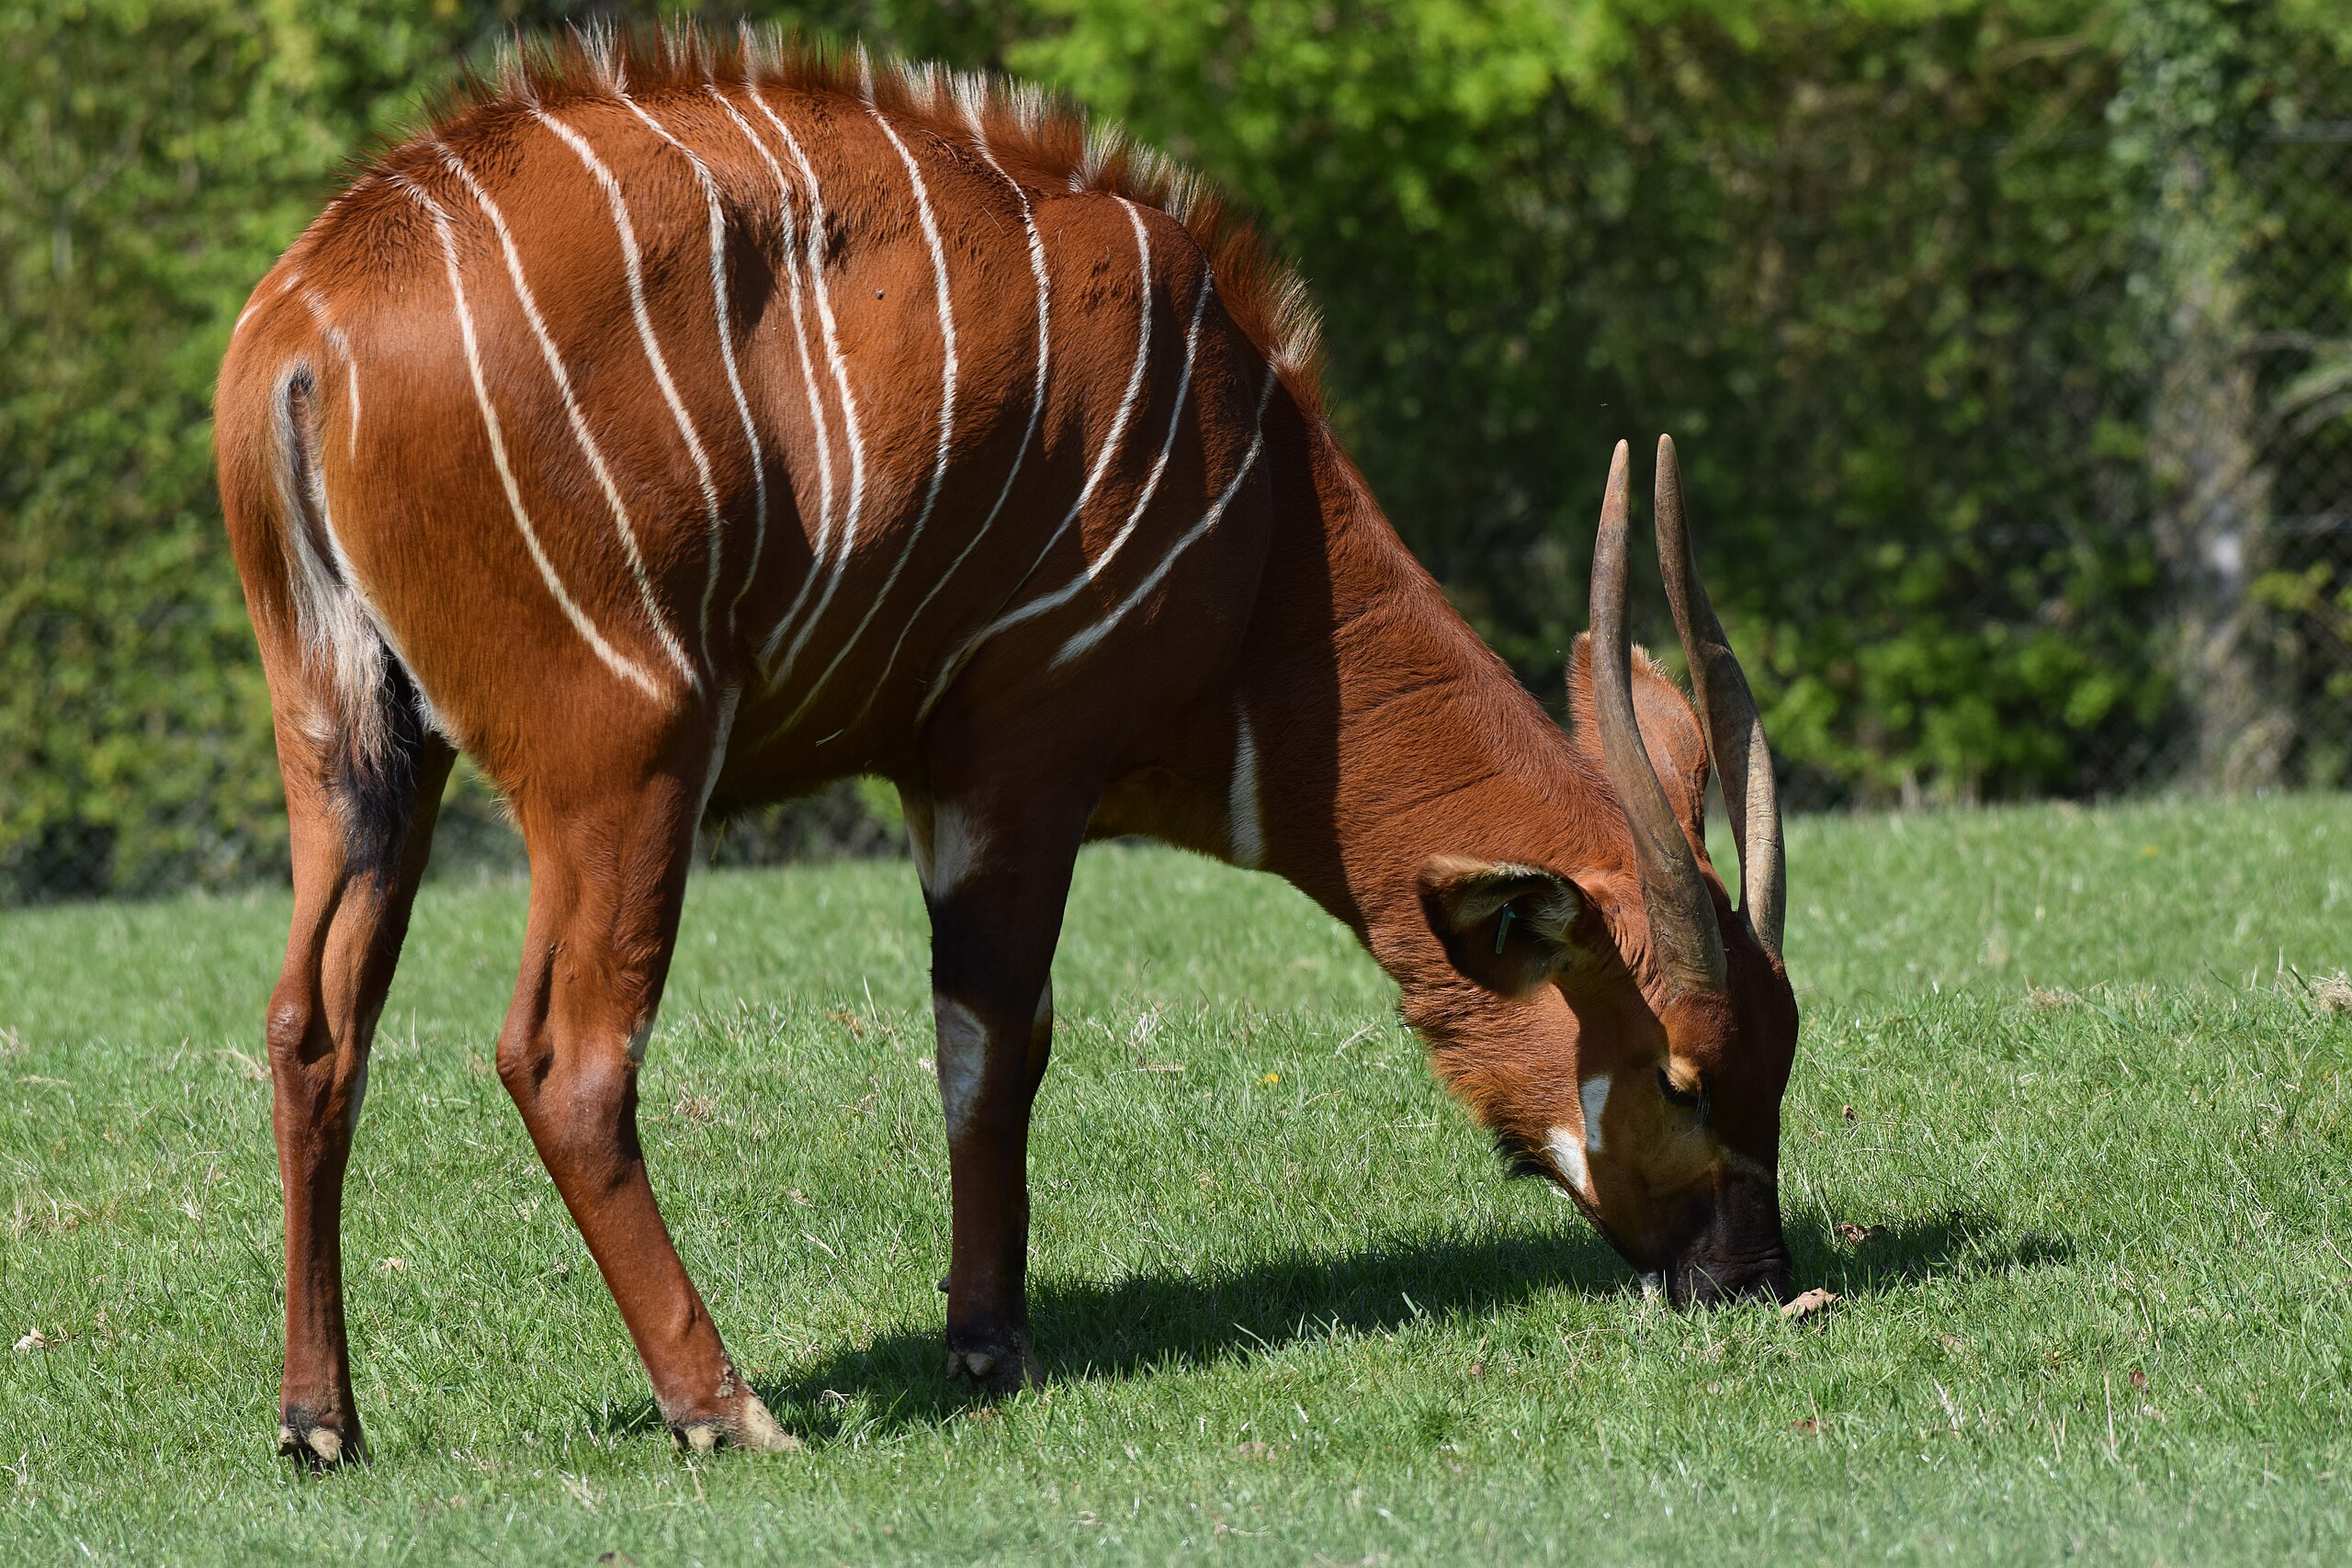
(1625, 1032)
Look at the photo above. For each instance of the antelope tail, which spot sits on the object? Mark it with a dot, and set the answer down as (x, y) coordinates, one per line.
(362, 708)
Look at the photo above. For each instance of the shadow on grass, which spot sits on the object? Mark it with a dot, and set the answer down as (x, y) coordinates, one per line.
(1168, 1319)
(1957, 1243)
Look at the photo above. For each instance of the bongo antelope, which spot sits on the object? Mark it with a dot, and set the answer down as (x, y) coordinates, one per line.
(674, 427)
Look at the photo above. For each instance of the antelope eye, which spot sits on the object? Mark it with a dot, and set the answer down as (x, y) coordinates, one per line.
(1687, 1099)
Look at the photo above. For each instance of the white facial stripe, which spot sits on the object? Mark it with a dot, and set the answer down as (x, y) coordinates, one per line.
(946, 419)
(1028, 436)
(1094, 476)
(1079, 645)
(1594, 1095)
(619, 663)
(632, 266)
(1567, 1159)
(963, 1060)
(718, 222)
(1245, 831)
(777, 670)
(577, 418)
(822, 435)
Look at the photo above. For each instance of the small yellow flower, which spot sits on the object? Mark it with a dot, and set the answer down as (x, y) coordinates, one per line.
(1271, 1078)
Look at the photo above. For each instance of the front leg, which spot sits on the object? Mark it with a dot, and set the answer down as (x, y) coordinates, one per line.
(996, 875)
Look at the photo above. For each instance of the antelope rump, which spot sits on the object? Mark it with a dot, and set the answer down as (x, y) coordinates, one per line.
(675, 427)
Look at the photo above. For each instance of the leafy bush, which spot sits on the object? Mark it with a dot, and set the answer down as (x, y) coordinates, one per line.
(1880, 265)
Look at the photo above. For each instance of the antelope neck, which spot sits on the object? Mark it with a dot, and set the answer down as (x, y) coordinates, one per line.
(1393, 734)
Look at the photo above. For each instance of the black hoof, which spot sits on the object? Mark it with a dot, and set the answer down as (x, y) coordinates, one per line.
(996, 1370)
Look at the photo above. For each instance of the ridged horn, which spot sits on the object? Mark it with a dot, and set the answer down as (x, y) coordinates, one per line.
(1682, 919)
(1728, 712)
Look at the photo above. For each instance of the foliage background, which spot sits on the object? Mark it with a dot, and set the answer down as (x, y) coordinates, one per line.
(1905, 277)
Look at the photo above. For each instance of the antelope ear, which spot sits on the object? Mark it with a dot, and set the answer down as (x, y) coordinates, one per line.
(1668, 727)
(1507, 926)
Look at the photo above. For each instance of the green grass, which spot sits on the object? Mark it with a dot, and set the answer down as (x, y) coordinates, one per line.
(2058, 1076)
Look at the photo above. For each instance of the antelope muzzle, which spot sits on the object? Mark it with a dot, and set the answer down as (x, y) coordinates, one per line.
(1739, 1254)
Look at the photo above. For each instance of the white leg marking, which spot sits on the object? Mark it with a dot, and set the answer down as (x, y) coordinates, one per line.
(819, 433)
(618, 662)
(1036, 407)
(1592, 1094)
(1079, 644)
(1094, 475)
(946, 419)
(1245, 830)
(957, 845)
(963, 1059)
(718, 218)
(632, 263)
(777, 670)
(638, 1038)
(1567, 1159)
(577, 419)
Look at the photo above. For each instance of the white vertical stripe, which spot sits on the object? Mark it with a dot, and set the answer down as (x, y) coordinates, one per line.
(946, 418)
(1094, 475)
(579, 420)
(620, 664)
(788, 220)
(1093, 570)
(633, 266)
(1245, 830)
(777, 670)
(342, 346)
(726, 358)
(1094, 634)
(1028, 436)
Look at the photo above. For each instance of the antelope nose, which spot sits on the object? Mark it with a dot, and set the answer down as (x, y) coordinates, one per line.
(1704, 1278)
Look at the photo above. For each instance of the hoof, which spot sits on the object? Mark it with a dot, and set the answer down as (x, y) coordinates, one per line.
(1003, 1371)
(750, 1428)
(318, 1445)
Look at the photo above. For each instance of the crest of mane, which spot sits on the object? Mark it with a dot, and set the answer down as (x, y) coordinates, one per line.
(1041, 139)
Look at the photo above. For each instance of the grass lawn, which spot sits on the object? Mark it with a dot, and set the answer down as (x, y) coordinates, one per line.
(2066, 1131)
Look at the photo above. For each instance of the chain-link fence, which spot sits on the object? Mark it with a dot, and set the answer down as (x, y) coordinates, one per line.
(2299, 348)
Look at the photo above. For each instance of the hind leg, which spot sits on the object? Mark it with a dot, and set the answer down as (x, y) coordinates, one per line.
(608, 872)
(360, 836)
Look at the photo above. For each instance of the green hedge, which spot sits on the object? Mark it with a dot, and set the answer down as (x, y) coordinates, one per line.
(1882, 265)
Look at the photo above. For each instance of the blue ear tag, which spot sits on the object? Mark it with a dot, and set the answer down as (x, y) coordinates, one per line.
(1502, 926)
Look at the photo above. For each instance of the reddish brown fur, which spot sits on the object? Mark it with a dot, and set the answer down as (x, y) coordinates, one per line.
(1276, 681)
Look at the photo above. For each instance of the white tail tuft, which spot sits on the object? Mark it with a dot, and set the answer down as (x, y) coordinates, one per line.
(338, 635)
